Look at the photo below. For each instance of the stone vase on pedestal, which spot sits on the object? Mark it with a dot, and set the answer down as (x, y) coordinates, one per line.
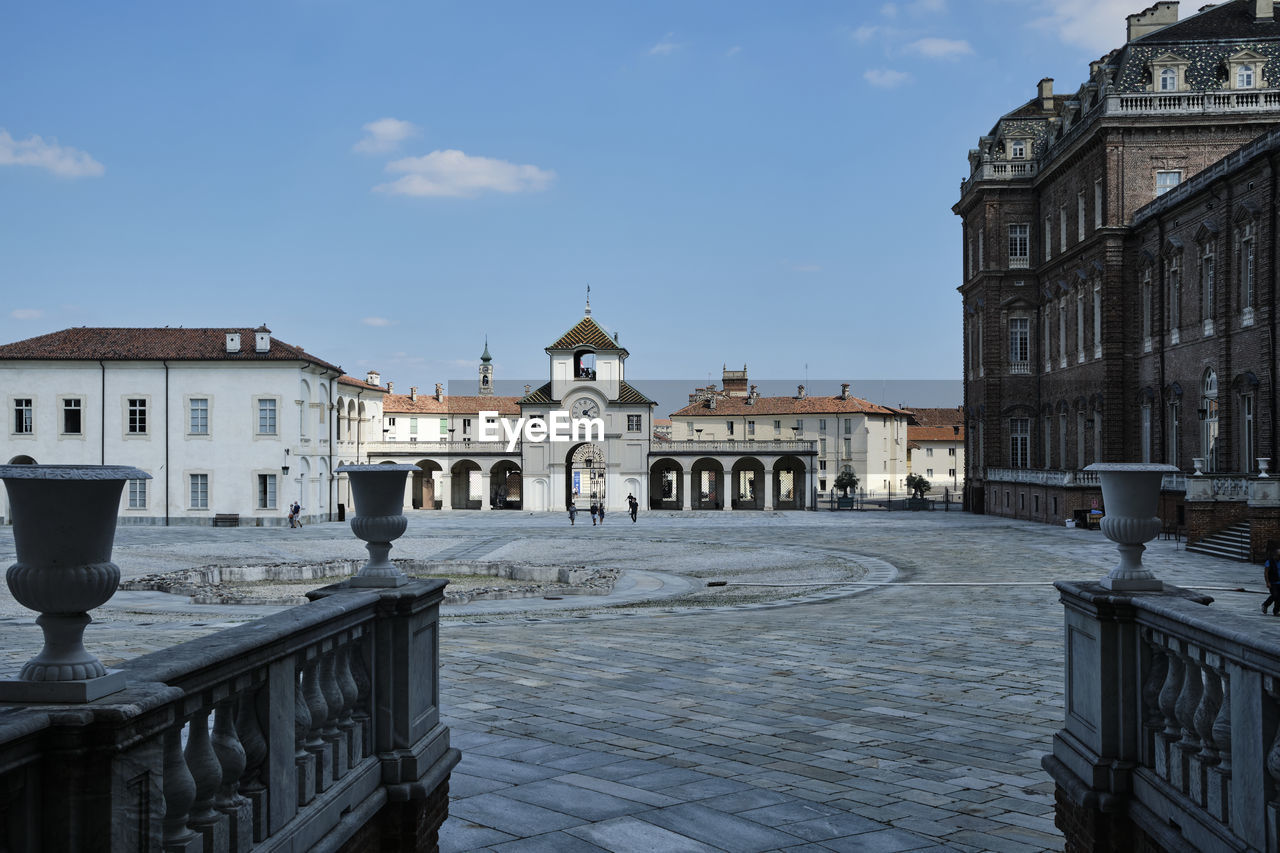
(64, 526)
(1131, 499)
(378, 493)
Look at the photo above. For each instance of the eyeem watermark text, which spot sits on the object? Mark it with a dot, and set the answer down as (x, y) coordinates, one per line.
(559, 426)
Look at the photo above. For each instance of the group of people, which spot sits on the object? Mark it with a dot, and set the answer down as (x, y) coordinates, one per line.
(597, 510)
(295, 514)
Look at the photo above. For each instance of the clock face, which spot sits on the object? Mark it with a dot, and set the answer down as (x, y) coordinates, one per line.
(585, 409)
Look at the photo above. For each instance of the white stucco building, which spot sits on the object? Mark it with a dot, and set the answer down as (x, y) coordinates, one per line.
(228, 422)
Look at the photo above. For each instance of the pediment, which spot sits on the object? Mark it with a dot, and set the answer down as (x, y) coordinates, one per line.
(1170, 59)
(1247, 55)
(1207, 231)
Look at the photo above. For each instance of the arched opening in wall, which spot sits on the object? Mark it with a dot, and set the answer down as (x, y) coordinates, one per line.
(339, 419)
(789, 483)
(22, 460)
(423, 485)
(632, 487)
(322, 490)
(708, 484)
(1208, 414)
(539, 494)
(584, 364)
(466, 485)
(584, 475)
(304, 410)
(748, 484)
(665, 477)
(506, 485)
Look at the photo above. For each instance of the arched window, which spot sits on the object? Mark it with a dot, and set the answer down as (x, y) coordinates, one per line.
(1209, 420)
(1169, 80)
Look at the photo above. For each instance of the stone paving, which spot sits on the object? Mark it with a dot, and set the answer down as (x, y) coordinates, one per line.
(905, 711)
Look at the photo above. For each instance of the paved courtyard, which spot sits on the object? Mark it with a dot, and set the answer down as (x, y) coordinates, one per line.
(906, 710)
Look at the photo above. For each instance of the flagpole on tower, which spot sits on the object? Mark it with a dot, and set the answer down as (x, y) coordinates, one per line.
(588, 312)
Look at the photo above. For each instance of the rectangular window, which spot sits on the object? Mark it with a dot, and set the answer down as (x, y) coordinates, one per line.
(822, 424)
(391, 421)
(1080, 215)
(822, 464)
(1062, 332)
(1166, 181)
(848, 448)
(1171, 441)
(751, 427)
(413, 426)
(1246, 274)
(848, 426)
(198, 420)
(199, 491)
(1097, 203)
(137, 494)
(1097, 320)
(1062, 227)
(1206, 288)
(444, 427)
(266, 491)
(1019, 246)
(928, 472)
(981, 250)
(1146, 310)
(137, 416)
(777, 427)
(928, 451)
(799, 425)
(266, 417)
(822, 485)
(1247, 434)
(1018, 149)
(1048, 237)
(72, 422)
(466, 426)
(1079, 324)
(1146, 432)
(1045, 339)
(1020, 442)
(951, 472)
(728, 425)
(633, 423)
(1019, 341)
(1175, 299)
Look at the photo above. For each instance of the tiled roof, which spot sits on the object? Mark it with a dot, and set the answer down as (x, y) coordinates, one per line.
(427, 404)
(173, 344)
(938, 433)
(737, 406)
(627, 394)
(945, 417)
(587, 334)
(1233, 20)
(360, 383)
(538, 397)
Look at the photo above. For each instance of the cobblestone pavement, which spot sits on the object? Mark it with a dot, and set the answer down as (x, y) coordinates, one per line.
(908, 716)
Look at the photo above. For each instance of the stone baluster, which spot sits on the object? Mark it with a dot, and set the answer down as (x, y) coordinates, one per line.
(231, 755)
(364, 694)
(1165, 741)
(207, 773)
(1152, 720)
(319, 709)
(303, 760)
(249, 728)
(350, 694)
(179, 794)
(1218, 777)
(333, 710)
(1204, 717)
(1185, 710)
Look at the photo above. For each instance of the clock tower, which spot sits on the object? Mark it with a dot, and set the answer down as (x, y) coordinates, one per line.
(486, 372)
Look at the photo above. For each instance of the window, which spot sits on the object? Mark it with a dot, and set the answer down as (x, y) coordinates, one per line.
(198, 416)
(1097, 320)
(72, 422)
(1019, 246)
(951, 472)
(848, 426)
(1146, 431)
(1062, 227)
(951, 451)
(633, 423)
(1047, 423)
(1018, 149)
(266, 491)
(1080, 215)
(1206, 293)
(1062, 440)
(1175, 299)
(1244, 77)
(728, 425)
(266, 417)
(1146, 310)
(1045, 339)
(799, 425)
(1080, 427)
(391, 421)
(1166, 181)
(1169, 80)
(822, 485)
(1048, 237)
(1019, 442)
(137, 494)
(822, 464)
(466, 426)
(822, 424)
(751, 427)
(928, 451)
(928, 472)
(413, 426)
(1019, 341)
(1248, 437)
(777, 427)
(199, 491)
(1097, 203)
(1247, 276)
(1062, 332)
(23, 422)
(1209, 422)
(137, 416)
(1171, 443)
(1080, 324)
(444, 427)
(981, 250)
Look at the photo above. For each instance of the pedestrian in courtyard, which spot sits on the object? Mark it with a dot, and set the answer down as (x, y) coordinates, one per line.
(595, 510)
(1271, 574)
(601, 512)
(573, 512)
(297, 514)
(634, 506)
(292, 520)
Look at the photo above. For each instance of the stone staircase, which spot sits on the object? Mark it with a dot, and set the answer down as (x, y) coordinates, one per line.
(1230, 544)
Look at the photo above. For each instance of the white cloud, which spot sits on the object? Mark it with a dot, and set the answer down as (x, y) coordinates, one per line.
(807, 268)
(1097, 26)
(664, 47)
(454, 174)
(733, 51)
(384, 135)
(889, 10)
(928, 6)
(864, 33)
(940, 48)
(47, 154)
(376, 321)
(26, 313)
(885, 78)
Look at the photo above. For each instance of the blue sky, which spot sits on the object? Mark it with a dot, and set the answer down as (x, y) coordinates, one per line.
(385, 184)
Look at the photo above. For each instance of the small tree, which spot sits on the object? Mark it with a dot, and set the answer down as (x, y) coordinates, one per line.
(845, 481)
(918, 485)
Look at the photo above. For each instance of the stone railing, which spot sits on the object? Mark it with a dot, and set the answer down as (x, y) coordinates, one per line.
(1019, 368)
(763, 447)
(438, 448)
(1004, 170)
(1172, 723)
(1192, 103)
(312, 729)
(1051, 477)
(1207, 487)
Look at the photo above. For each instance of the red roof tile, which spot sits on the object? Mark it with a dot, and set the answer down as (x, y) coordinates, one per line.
(737, 407)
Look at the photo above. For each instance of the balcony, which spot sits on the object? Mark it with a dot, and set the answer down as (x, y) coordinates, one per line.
(438, 448)
(1019, 262)
(1064, 479)
(1019, 368)
(745, 448)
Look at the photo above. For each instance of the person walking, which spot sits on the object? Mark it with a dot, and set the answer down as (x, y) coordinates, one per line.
(293, 522)
(1271, 574)
(601, 513)
(634, 506)
(297, 514)
(573, 513)
(595, 510)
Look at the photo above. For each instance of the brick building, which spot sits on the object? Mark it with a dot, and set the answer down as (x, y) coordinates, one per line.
(1103, 319)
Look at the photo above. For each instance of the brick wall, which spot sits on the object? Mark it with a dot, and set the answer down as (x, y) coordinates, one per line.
(1205, 517)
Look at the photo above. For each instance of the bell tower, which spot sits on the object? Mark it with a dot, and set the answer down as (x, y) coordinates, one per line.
(486, 372)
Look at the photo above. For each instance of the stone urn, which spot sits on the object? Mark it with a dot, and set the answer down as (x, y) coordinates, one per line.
(378, 493)
(1131, 499)
(64, 526)
(1197, 462)
(1264, 465)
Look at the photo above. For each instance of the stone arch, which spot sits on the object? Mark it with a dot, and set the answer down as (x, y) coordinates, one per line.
(506, 485)
(539, 494)
(790, 483)
(22, 459)
(465, 475)
(584, 474)
(304, 408)
(666, 484)
(422, 485)
(748, 483)
(707, 490)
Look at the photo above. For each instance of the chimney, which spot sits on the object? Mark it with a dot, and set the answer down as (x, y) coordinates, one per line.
(439, 393)
(711, 403)
(800, 392)
(413, 393)
(233, 342)
(1045, 93)
(734, 382)
(1264, 10)
(373, 378)
(844, 390)
(262, 339)
(391, 387)
(527, 390)
(1158, 17)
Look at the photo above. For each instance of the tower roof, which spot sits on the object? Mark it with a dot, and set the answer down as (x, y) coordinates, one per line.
(485, 357)
(587, 333)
